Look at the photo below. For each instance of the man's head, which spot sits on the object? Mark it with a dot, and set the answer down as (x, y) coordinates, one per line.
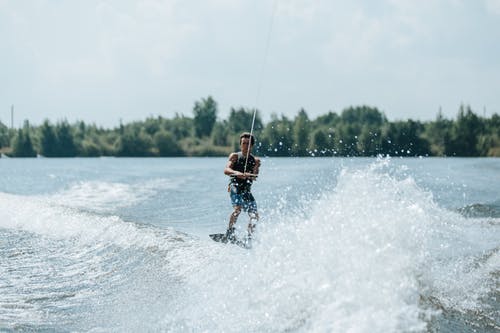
(247, 135)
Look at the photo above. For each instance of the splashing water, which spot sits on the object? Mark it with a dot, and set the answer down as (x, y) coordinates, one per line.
(369, 252)
(373, 253)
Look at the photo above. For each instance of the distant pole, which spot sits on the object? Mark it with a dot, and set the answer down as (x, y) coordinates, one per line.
(12, 116)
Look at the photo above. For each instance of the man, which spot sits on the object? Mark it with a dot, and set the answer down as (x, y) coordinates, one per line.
(243, 168)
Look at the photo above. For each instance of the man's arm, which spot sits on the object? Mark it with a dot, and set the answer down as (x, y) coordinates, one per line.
(228, 170)
(257, 166)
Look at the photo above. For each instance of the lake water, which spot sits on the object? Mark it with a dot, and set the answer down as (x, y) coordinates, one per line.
(343, 245)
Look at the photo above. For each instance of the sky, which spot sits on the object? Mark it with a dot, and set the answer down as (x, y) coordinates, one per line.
(106, 61)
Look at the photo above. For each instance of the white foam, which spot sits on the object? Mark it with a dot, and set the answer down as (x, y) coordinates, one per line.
(68, 259)
(359, 263)
(44, 217)
(358, 260)
(108, 197)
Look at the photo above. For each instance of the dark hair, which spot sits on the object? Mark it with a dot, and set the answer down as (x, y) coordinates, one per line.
(247, 135)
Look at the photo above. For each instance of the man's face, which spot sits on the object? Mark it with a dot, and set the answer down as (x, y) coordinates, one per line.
(245, 144)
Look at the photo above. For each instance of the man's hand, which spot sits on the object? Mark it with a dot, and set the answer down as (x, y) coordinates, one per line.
(250, 176)
(245, 175)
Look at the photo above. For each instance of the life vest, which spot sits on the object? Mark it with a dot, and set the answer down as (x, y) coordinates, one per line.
(243, 185)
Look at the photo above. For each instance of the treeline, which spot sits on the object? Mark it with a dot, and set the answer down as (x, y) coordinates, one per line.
(356, 131)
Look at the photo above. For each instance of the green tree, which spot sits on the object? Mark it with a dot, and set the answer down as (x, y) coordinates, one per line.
(48, 140)
(370, 141)
(152, 125)
(78, 130)
(21, 143)
(465, 134)
(65, 144)
(90, 148)
(301, 133)
(134, 143)
(357, 131)
(320, 142)
(181, 126)
(329, 120)
(403, 138)
(437, 133)
(347, 135)
(492, 136)
(363, 115)
(277, 137)
(4, 135)
(240, 120)
(205, 115)
(220, 134)
(166, 144)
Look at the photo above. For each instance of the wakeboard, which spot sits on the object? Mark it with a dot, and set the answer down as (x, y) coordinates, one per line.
(221, 238)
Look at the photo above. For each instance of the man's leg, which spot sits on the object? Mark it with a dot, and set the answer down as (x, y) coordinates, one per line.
(232, 220)
(234, 216)
(251, 208)
(254, 217)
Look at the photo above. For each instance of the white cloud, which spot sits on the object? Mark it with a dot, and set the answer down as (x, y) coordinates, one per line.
(302, 10)
(493, 6)
(146, 34)
(161, 55)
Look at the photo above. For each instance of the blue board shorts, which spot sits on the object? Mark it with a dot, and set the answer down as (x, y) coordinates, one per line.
(243, 199)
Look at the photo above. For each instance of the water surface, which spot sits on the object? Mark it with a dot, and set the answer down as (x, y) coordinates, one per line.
(360, 245)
